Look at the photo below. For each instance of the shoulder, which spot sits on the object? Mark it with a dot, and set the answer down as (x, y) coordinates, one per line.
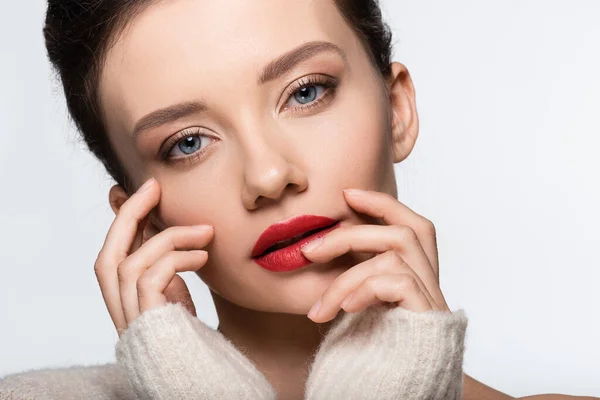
(102, 382)
(556, 397)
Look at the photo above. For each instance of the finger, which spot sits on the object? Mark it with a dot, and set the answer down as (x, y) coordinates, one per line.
(153, 283)
(388, 263)
(393, 212)
(138, 240)
(116, 246)
(173, 238)
(178, 292)
(124, 228)
(400, 289)
(379, 239)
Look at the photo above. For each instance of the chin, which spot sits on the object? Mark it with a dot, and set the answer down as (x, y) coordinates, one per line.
(305, 287)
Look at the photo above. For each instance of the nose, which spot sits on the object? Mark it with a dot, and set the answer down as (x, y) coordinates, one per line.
(269, 173)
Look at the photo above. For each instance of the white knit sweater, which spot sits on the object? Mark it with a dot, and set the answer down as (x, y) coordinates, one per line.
(379, 354)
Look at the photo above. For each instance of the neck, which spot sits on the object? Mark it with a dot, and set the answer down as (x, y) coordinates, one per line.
(280, 345)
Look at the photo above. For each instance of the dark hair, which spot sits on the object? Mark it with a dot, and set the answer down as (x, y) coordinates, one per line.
(79, 33)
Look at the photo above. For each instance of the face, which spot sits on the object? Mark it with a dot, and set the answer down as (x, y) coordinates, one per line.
(267, 110)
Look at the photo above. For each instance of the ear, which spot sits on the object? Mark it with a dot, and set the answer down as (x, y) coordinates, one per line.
(405, 121)
(117, 197)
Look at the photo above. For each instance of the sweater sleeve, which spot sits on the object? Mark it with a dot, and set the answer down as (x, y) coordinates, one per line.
(167, 353)
(388, 353)
(98, 382)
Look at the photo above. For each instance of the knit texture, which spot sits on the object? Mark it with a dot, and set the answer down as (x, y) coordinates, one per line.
(390, 353)
(166, 353)
(97, 382)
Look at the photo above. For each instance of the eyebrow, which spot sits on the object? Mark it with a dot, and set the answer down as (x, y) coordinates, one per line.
(271, 71)
(289, 60)
(166, 115)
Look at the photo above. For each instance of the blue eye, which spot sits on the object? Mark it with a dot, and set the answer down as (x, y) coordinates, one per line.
(308, 94)
(187, 144)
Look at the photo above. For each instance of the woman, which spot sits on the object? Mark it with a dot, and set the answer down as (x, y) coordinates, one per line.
(244, 120)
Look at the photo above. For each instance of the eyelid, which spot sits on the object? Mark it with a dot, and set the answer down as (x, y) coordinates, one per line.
(328, 81)
(172, 141)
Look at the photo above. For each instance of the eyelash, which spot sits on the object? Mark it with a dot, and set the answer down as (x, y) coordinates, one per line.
(329, 83)
(172, 142)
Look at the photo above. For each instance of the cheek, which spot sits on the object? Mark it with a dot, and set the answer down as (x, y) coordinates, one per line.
(185, 202)
(203, 198)
(348, 147)
(217, 202)
(354, 150)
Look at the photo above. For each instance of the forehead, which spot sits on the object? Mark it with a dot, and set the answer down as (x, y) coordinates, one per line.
(176, 49)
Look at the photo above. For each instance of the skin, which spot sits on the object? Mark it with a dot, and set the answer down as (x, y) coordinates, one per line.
(265, 157)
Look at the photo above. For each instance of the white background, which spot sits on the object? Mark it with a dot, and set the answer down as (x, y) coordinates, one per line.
(506, 166)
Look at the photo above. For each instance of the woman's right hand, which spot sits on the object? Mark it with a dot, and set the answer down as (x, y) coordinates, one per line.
(137, 275)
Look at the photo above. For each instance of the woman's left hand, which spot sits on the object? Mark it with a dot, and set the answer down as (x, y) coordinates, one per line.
(405, 271)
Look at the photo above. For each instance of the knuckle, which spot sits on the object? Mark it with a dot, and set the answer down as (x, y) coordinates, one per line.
(383, 265)
(371, 283)
(144, 283)
(406, 234)
(400, 263)
(99, 265)
(407, 283)
(389, 262)
(429, 227)
(387, 196)
(391, 258)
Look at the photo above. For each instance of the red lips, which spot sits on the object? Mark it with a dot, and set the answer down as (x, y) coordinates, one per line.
(287, 229)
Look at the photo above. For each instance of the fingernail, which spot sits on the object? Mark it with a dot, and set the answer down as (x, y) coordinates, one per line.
(146, 185)
(312, 314)
(354, 192)
(312, 245)
(348, 300)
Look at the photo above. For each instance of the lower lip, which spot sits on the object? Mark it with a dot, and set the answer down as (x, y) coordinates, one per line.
(290, 258)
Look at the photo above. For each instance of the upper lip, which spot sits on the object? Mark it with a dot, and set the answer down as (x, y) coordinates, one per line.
(287, 229)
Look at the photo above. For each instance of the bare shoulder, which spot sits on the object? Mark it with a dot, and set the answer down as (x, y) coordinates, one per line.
(105, 382)
(475, 390)
(557, 397)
